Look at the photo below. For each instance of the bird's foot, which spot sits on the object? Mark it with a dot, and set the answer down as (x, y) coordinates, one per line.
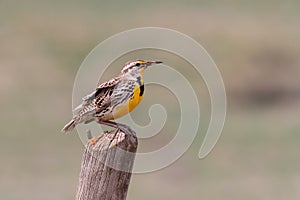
(94, 140)
(126, 129)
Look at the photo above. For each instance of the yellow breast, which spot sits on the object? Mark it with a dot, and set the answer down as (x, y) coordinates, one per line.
(131, 103)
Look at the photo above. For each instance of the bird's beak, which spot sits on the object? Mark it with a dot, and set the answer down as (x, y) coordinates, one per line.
(153, 62)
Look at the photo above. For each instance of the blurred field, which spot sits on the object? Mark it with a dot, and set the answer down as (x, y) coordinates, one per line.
(255, 45)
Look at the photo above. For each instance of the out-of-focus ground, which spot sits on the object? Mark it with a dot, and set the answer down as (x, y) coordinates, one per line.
(255, 45)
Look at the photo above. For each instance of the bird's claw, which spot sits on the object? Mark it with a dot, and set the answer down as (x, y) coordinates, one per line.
(94, 140)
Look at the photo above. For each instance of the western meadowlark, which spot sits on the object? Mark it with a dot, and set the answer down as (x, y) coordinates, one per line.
(114, 98)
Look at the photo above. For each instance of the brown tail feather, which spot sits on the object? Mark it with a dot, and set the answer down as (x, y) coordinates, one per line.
(69, 126)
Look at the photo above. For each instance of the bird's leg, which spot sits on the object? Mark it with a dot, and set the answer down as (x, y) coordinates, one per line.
(116, 125)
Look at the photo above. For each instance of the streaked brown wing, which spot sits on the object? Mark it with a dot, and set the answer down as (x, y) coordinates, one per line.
(104, 92)
(96, 101)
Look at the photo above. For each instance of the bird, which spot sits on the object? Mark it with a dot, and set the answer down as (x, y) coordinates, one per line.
(114, 98)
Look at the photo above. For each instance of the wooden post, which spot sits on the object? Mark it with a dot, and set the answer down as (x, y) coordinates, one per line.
(106, 166)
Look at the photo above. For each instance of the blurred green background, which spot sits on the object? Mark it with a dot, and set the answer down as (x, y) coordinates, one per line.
(255, 45)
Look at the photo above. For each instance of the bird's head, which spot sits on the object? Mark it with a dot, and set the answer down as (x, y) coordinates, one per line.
(137, 67)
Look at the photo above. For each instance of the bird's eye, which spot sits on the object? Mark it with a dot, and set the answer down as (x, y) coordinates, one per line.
(137, 64)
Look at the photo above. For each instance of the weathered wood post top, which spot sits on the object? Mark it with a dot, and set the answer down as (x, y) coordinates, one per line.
(106, 166)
